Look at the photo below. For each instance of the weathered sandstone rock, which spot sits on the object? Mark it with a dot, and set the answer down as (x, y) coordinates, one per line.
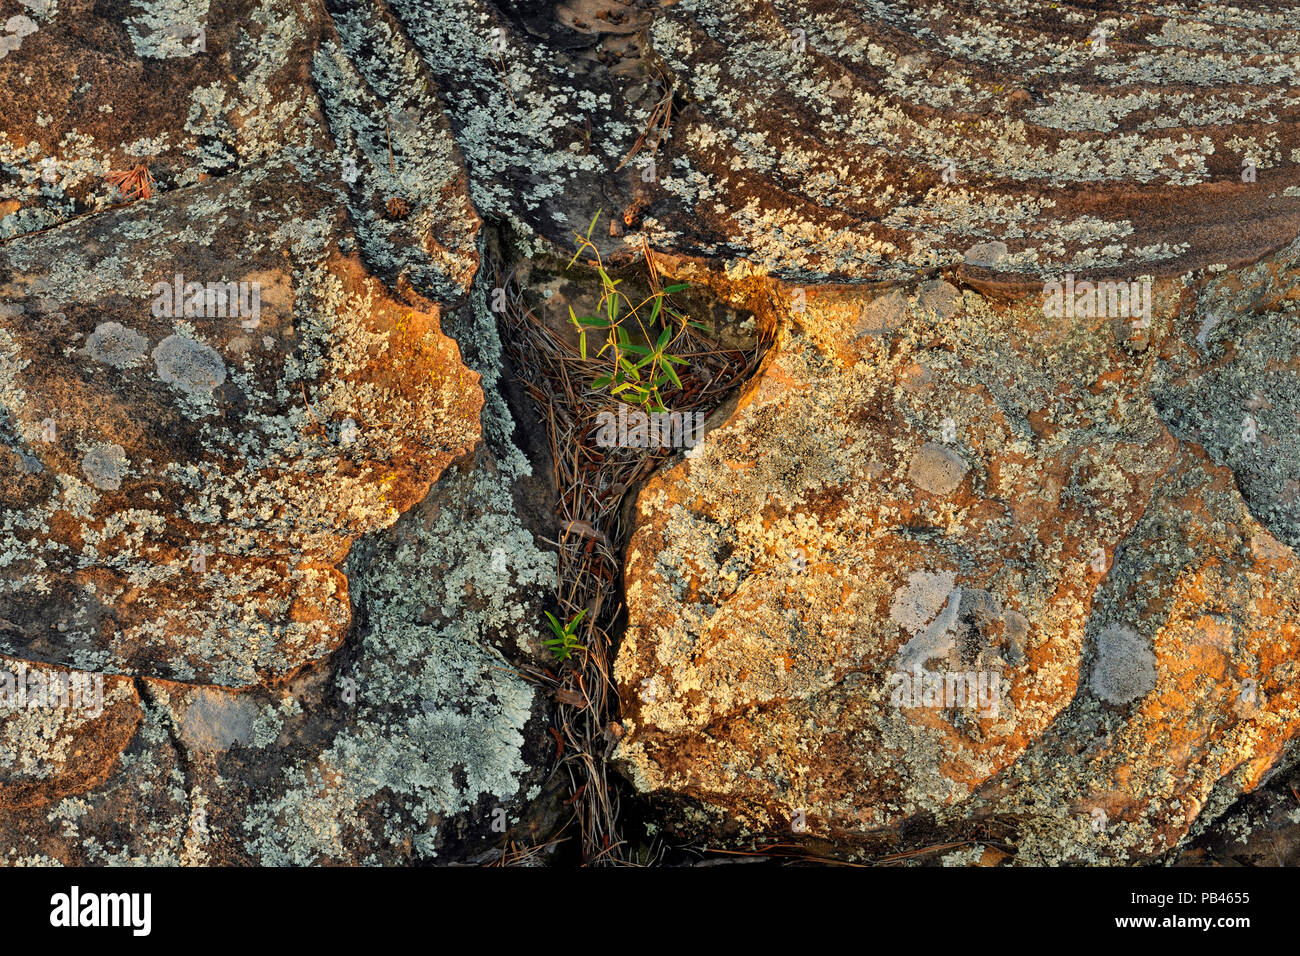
(991, 496)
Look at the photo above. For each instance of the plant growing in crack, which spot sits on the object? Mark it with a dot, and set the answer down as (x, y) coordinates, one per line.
(637, 371)
(591, 487)
(566, 639)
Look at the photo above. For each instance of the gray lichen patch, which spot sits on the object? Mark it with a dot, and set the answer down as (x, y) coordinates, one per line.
(379, 105)
(440, 725)
(482, 568)
(1233, 384)
(1125, 666)
(936, 469)
(114, 344)
(987, 254)
(540, 132)
(166, 28)
(191, 366)
(214, 719)
(443, 722)
(105, 465)
(920, 600)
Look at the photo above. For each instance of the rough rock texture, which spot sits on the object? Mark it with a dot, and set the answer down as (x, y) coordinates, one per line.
(303, 546)
(818, 133)
(811, 140)
(186, 519)
(51, 752)
(290, 538)
(980, 491)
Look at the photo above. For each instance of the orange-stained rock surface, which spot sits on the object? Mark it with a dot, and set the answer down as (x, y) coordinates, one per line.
(307, 550)
(973, 495)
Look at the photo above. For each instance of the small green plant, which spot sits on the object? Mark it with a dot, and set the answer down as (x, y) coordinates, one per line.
(637, 372)
(565, 641)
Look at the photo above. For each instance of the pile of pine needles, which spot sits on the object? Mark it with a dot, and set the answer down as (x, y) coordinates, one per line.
(592, 483)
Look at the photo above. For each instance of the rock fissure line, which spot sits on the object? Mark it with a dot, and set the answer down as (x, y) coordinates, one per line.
(593, 484)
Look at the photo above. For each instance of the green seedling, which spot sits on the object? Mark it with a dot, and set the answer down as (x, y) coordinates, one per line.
(637, 372)
(566, 640)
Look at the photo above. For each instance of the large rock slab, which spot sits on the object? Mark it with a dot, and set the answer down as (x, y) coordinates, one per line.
(954, 570)
(868, 140)
(179, 488)
(852, 141)
(295, 534)
(417, 741)
(815, 140)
